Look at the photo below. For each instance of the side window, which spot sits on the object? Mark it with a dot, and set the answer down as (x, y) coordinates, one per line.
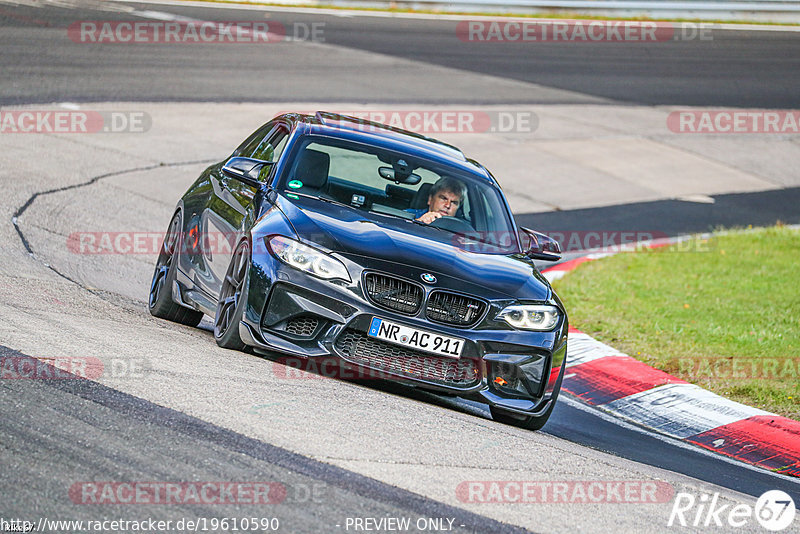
(464, 211)
(526, 241)
(484, 216)
(250, 144)
(271, 147)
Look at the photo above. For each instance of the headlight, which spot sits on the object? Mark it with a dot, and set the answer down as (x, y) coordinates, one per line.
(307, 259)
(531, 316)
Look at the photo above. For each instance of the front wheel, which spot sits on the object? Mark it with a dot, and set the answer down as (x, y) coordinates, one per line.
(230, 305)
(160, 300)
(533, 422)
(529, 423)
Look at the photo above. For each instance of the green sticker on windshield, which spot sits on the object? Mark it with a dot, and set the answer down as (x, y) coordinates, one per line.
(295, 184)
(292, 195)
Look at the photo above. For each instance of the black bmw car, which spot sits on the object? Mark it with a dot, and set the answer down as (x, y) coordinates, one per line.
(329, 237)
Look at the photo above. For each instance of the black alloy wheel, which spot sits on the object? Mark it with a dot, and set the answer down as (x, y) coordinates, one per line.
(230, 305)
(160, 302)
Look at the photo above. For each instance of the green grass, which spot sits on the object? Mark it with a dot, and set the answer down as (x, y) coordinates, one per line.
(723, 313)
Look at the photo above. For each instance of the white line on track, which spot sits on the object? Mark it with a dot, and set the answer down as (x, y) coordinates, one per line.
(171, 17)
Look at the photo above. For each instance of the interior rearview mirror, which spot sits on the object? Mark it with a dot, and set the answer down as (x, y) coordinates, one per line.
(397, 176)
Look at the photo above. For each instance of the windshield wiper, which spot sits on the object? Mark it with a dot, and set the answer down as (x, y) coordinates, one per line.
(409, 219)
(427, 225)
(387, 214)
(415, 221)
(324, 199)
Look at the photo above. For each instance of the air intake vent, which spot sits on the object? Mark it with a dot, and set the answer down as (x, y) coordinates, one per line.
(393, 293)
(400, 361)
(302, 326)
(454, 309)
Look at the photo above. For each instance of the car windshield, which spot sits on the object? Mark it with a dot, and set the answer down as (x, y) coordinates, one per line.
(468, 212)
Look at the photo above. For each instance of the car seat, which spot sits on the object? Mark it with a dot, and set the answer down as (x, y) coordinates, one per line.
(312, 169)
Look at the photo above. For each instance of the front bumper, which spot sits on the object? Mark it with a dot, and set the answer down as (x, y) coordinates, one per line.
(322, 320)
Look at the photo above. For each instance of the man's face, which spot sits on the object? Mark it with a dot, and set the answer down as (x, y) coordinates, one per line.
(445, 202)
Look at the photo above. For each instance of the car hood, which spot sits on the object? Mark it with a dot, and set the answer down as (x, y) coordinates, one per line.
(397, 242)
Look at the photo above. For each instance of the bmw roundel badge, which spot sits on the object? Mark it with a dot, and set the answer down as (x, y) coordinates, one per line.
(428, 278)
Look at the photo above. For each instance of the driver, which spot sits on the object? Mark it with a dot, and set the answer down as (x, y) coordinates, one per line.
(443, 201)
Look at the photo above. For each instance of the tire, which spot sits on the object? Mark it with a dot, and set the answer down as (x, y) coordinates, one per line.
(532, 422)
(230, 305)
(528, 423)
(160, 300)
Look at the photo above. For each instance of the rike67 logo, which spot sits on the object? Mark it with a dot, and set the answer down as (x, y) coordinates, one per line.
(774, 511)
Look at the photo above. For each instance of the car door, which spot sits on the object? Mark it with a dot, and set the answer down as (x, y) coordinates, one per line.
(228, 206)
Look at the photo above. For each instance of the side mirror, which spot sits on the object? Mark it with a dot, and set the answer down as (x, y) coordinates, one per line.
(540, 246)
(246, 170)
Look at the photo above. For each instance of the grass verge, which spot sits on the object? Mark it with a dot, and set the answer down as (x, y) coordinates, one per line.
(722, 313)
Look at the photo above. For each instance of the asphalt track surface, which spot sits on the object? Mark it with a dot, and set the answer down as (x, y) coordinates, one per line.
(121, 427)
(738, 70)
(735, 68)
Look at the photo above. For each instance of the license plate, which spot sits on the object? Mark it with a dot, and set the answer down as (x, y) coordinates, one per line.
(413, 338)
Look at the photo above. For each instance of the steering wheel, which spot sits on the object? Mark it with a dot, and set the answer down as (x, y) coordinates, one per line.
(453, 224)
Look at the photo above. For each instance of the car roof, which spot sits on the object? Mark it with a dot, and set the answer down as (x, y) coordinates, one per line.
(382, 135)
